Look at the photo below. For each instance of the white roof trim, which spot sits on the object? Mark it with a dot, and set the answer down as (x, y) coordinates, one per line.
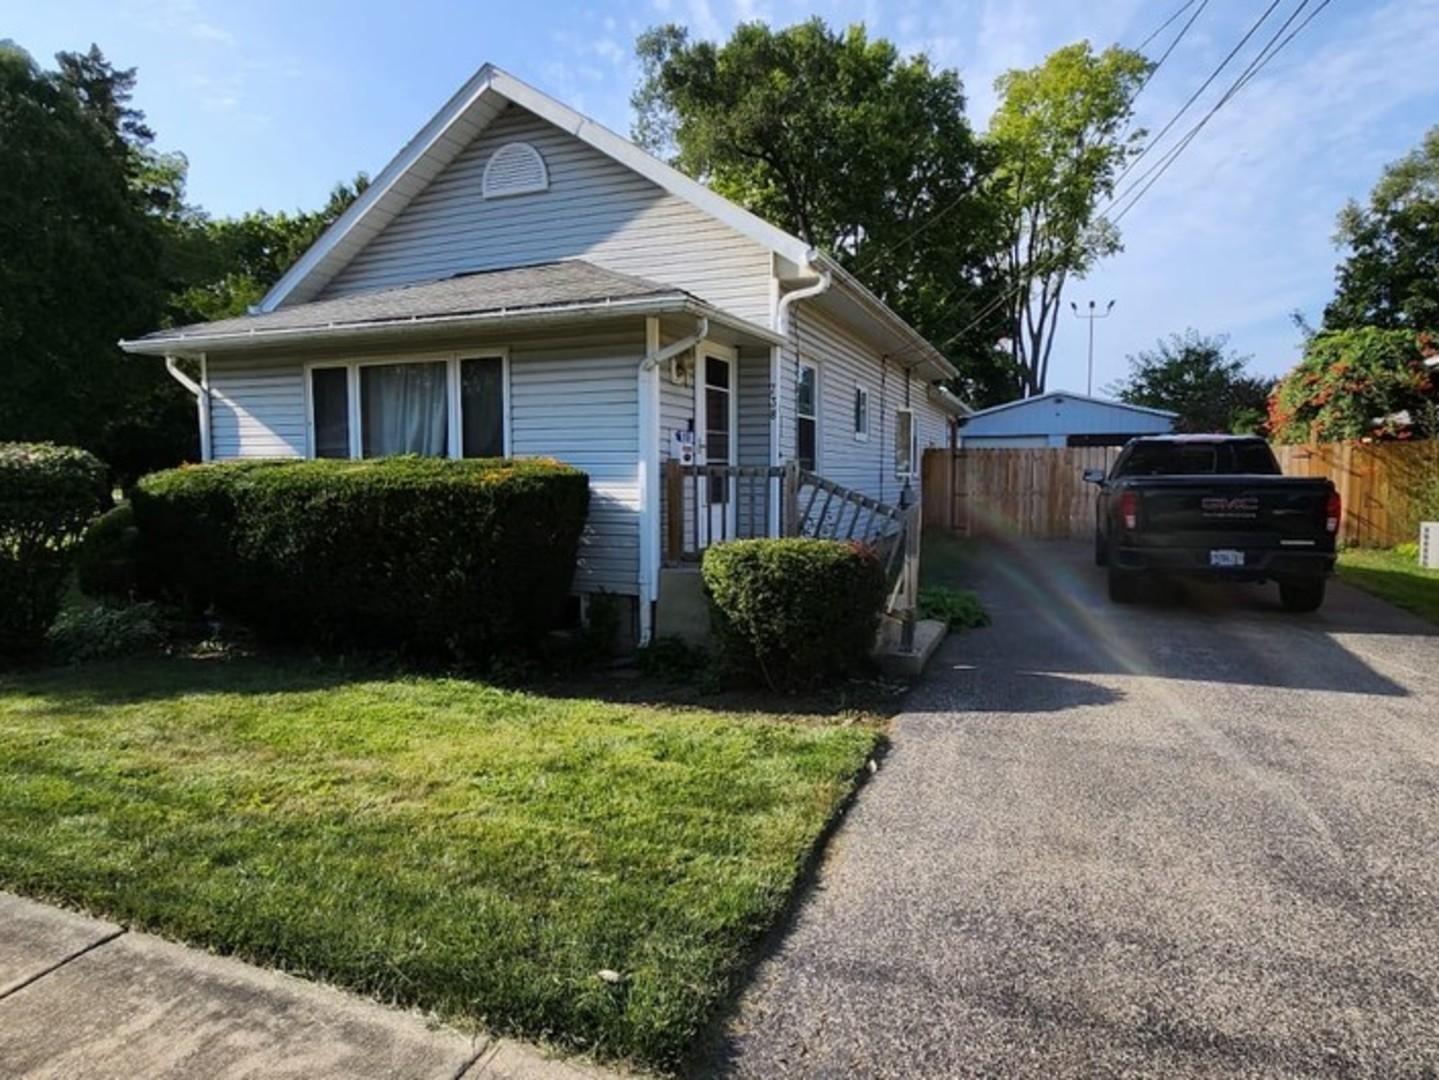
(1020, 402)
(194, 343)
(490, 79)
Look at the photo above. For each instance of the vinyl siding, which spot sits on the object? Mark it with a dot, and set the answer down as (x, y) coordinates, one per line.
(257, 408)
(595, 209)
(1061, 415)
(845, 361)
(571, 398)
(577, 401)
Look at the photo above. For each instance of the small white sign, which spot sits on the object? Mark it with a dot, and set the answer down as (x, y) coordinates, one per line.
(1226, 557)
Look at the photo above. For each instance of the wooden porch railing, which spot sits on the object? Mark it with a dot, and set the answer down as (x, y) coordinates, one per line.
(709, 504)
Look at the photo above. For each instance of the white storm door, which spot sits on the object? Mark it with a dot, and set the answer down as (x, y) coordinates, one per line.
(716, 420)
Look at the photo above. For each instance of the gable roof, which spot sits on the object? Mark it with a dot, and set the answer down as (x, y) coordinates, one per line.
(471, 110)
(570, 289)
(1063, 395)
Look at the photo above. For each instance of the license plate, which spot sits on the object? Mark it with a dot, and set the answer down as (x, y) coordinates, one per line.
(1226, 557)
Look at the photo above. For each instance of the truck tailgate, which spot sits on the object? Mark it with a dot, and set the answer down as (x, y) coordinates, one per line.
(1234, 511)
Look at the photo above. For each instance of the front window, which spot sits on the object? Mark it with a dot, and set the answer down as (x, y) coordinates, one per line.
(807, 417)
(404, 409)
(905, 449)
(434, 408)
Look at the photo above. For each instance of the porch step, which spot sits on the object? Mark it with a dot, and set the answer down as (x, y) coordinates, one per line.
(683, 611)
(929, 635)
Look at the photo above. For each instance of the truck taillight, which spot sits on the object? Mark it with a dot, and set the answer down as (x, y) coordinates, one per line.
(1129, 510)
(1332, 513)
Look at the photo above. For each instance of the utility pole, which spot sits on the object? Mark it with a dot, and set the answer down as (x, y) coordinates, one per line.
(1089, 382)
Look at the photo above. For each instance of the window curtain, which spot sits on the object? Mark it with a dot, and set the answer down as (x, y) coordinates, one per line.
(405, 409)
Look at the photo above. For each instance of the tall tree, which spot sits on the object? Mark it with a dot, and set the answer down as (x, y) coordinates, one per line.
(1194, 376)
(79, 250)
(1391, 277)
(863, 153)
(1061, 134)
(220, 267)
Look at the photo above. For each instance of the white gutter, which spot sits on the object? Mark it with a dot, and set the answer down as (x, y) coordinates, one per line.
(647, 386)
(789, 299)
(296, 336)
(201, 390)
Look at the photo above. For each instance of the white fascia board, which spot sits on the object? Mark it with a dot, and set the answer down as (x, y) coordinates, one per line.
(382, 188)
(191, 345)
(651, 168)
(1121, 405)
(928, 356)
(491, 79)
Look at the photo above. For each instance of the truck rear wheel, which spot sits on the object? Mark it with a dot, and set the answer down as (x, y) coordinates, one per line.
(1301, 596)
(1123, 585)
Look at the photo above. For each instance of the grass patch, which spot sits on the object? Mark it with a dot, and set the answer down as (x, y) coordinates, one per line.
(480, 852)
(946, 560)
(1395, 576)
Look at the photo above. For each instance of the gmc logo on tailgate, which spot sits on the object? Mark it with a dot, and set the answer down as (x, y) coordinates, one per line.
(1219, 506)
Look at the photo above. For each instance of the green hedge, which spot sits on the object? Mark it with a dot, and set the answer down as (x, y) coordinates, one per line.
(794, 612)
(48, 494)
(429, 556)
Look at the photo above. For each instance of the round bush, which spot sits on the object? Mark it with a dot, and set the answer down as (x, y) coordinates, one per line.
(425, 555)
(107, 560)
(47, 496)
(794, 611)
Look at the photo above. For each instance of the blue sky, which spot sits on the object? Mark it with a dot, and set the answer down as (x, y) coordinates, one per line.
(273, 102)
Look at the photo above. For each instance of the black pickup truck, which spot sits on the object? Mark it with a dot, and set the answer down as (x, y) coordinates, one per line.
(1215, 507)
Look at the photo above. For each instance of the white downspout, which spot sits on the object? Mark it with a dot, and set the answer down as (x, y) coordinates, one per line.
(201, 390)
(790, 298)
(647, 386)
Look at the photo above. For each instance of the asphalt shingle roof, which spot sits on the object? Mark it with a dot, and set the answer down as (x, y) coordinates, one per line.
(529, 288)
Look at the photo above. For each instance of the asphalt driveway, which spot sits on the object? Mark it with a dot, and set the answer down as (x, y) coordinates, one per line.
(1191, 838)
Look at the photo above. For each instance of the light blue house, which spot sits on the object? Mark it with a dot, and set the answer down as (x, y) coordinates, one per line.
(1060, 419)
(522, 281)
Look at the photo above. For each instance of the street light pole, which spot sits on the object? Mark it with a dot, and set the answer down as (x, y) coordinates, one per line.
(1089, 382)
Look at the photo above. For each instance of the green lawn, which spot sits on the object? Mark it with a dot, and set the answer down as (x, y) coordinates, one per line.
(1394, 576)
(480, 852)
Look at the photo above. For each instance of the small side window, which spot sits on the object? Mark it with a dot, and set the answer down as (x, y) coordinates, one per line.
(861, 413)
(905, 450)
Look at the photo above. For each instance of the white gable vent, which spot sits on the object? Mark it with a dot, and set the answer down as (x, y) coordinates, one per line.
(515, 169)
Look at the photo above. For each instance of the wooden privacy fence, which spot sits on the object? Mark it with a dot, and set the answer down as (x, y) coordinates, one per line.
(1386, 488)
(1032, 493)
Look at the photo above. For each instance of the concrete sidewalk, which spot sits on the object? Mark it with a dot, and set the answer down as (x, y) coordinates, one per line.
(80, 997)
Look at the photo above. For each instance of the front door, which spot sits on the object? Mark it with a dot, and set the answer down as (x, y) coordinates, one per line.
(715, 414)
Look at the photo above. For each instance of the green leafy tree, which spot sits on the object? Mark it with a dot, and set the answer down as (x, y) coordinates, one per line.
(862, 153)
(1391, 277)
(80, 248)
(1194, 376)
(1359, 383)
(219, 268)
(1061, 134)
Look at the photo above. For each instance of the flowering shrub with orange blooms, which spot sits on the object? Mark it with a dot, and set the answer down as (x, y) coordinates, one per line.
(1358, 384)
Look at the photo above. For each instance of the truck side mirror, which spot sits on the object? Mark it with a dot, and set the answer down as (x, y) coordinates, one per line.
(1094, 476)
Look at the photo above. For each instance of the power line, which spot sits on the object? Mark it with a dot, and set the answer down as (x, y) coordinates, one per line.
(959, 200)
(1265, 55)
(1198, 93)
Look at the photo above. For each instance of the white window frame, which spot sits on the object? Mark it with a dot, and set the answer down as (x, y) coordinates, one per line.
(913, 444)
(813, 365)
(454, 440)
(861, 410)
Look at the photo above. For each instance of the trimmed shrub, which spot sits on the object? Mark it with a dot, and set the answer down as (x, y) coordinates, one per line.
(425, 555)
(48, 494)
(86, 633)
(794, 611)
(107, 561)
